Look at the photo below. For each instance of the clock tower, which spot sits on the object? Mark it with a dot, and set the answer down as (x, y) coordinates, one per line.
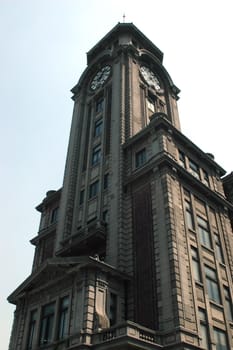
(140, 255)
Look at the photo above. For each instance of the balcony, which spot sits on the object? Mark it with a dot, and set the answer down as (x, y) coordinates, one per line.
(85, 240)
(127, 335)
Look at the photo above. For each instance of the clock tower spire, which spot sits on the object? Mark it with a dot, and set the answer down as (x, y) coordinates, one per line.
(123, 87)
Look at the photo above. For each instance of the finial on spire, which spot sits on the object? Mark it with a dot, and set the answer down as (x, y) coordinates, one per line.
(124, 18)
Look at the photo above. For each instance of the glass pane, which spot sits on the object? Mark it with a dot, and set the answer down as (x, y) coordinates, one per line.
(140, 157)
(113, 309)
(31, 330)
(220, 339)
(98, 128)
(106, 180)
(81, 198)
(151, 104)
(203, 329)
(210, 273)
(46, 326)
(182, 159)
(219, 253)
(62, 324)
(213, 290)
(202, 222)
(228, 302)
(94, 188)
(196, 270)
(204, 237)
(99, 105)
(96, 155)
(204, 336)
(65, 302)
(48, 309)
(189, 219)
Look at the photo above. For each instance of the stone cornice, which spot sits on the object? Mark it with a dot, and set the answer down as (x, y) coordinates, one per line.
(160, 121)
(162, 160)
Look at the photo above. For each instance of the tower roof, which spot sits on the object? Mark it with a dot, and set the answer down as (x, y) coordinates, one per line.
(125, 28)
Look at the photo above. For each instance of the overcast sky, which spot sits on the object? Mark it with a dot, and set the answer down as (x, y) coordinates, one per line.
(43, 52)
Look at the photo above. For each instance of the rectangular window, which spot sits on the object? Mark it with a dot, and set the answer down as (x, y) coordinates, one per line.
(94, 189)
(204, 233)
(113, 309)
(54, 215)
(89, 116)
(81, 197)
(99, 105)
(219, 254)
(98, 128)
(212, 285)
(213, 218)
(47, 323)
(200, 207)
(220, 339)
(105, 216)
(196, 264)
(63, 318)
(107, 143)
(189, 215)
(96, 155)
(194, 169)
(151, 104)
(47, 247)
(106, 181)
(204, 330)
(31, 329)
(228, 303)
(205, 178)
(140, 158)
(182, 159)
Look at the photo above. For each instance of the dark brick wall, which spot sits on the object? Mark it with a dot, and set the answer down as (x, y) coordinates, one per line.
(144, 278)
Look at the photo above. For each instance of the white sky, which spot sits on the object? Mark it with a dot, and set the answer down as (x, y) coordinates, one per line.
(43, 52)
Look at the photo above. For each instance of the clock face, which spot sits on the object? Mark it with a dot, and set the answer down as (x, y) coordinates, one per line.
(101, 76)
(150, 77)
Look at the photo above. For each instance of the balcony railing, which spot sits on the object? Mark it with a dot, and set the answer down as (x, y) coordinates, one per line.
(130, 331)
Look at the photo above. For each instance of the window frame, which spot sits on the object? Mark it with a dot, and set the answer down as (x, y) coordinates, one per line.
(94, 189)
(212, 285)
(113, 308)
(219, 335)
(105, 216)
(228, 303)
(151, 104)
(204, 232)
(218, 248)
(205, 337)
(62, 325)
(196, 264)
(140, 158)
(194, 169)
(182, 159)
(32, 329)
(106, 181)
(54, 215)
(98, 127)
(96, 155)
(81, 197)
(47, 323)
(189, 215)
(99, 105)
(205, 178)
